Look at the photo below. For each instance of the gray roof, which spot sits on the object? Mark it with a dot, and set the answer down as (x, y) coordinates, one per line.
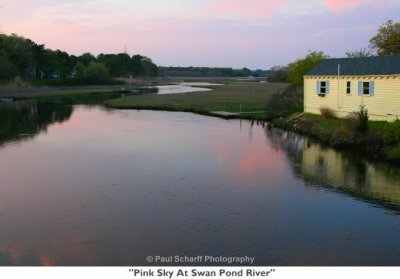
(378, 65)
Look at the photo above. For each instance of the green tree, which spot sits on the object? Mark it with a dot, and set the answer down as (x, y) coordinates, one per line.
(7, 69)
(148, 67)
(49, 68)
(97, 72)
(63, 64)
(135, 66)
(278, 74)
(23, 58)
(246, 72)
(18, 51)
(363, 52)
(123, 60)
(79, 71)
(387, 41)
(86, 58)
(118, 64)
(39, 59)
(300, 67)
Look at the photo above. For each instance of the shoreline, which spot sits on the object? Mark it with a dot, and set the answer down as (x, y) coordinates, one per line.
(65, 92)
(379, 143)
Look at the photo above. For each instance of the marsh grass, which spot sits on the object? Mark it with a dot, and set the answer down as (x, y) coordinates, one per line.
(231, 97)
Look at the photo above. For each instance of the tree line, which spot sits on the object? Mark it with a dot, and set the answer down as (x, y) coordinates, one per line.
(385, 43)
(209, 72)
(25, 59)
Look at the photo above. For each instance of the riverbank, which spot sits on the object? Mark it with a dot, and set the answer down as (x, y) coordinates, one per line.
(240, 98)
(380, 140)
(14, 92)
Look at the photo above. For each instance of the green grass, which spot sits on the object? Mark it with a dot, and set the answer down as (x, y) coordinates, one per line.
(388, 131)
(251, 96)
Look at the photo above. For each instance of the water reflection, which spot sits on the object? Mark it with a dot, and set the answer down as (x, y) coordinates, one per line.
(343, 171)
(24, 120)
(110, 187)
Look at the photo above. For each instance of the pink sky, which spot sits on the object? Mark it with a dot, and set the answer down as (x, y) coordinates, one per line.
(223, 33)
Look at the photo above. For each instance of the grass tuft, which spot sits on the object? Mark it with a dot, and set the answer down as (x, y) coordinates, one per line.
(327, 113)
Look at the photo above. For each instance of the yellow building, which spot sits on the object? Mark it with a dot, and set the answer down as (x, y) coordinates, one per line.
(344, 84)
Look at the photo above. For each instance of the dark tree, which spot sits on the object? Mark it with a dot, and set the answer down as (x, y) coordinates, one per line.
(387, 41)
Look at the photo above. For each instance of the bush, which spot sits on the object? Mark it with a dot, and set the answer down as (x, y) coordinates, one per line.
(286, 102)
(362, 117)
(357, 122)
(351, 127)
(98, 72)
(327, 113)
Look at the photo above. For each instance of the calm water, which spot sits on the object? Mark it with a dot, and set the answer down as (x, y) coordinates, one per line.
(82, 185)
(184, 88)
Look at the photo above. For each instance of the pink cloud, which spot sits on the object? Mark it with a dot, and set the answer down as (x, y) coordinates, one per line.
(340, 5)
(256, 9)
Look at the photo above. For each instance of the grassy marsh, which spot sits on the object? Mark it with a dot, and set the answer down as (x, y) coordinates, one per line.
(230, 97)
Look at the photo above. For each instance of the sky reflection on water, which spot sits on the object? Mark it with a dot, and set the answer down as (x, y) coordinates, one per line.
(105, 187)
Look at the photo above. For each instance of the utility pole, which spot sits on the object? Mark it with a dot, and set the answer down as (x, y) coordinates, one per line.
(338, 84)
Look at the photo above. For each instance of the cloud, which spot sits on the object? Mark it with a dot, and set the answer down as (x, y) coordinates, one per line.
(234, 33)
(336, 6)
(252, 10)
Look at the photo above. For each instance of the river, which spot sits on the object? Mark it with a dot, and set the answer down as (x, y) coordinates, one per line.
(185, 87)
(86, 185)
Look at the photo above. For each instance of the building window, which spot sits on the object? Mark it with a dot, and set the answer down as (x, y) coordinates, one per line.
(365, 88)
(348, 88)
(322, 88)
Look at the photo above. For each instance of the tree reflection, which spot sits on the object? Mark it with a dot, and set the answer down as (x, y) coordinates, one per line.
(24, 120)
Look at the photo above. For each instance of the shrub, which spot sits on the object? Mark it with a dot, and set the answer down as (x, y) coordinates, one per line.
(357, 122)
(327, 113)
(352, 126)
(362, 117)
(286, 102)
(98, 72)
